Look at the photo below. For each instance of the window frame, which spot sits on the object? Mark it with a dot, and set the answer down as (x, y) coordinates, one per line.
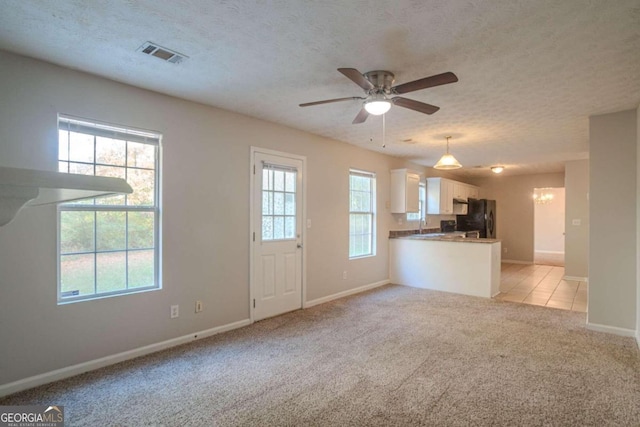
(273, 168)
(371, 212)
(103, 129)
(422, 203)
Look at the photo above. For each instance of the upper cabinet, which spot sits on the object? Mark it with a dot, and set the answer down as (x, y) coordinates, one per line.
(460, 191)
(474, 192)
(405, 191)
(447, 197)
(439, 196)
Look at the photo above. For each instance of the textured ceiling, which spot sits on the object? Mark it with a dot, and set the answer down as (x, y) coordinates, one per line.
(531, 71)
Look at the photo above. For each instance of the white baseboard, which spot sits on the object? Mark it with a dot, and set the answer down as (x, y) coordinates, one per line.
(549, 252)
(575, 278)
(611, 330)
(514, 261)
(70, 371)
(345, 293)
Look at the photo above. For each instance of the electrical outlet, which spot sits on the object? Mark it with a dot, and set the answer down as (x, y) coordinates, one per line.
(344, 275)
(199, 306)
(175, 311)
(576, 222)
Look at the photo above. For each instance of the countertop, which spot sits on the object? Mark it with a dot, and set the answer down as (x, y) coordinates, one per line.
(446, 237)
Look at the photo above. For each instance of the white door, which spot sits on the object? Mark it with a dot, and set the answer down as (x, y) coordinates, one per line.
(277, 243)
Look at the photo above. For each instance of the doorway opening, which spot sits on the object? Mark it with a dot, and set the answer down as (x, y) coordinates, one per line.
(548, 214)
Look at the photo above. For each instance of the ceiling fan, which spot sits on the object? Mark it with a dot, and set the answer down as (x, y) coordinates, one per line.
(380, 92)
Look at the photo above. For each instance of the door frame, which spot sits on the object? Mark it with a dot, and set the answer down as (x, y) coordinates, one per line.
(253, 213)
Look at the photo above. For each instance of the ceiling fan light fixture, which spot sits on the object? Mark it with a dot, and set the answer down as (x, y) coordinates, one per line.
(377, 105)
(497, 169)
(447, 161)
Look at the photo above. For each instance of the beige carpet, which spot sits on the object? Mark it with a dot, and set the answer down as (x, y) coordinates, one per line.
(395, 356)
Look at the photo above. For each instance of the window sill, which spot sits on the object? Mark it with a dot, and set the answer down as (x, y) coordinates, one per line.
(67, 301)
(362, 256)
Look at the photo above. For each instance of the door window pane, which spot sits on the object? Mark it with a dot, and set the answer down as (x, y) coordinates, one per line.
(278, 204)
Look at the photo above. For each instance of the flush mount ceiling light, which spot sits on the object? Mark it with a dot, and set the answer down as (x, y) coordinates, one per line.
(497, 169)
(377, 105)
(447, 161)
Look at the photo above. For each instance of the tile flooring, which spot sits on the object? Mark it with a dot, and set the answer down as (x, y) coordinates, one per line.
(541, 285)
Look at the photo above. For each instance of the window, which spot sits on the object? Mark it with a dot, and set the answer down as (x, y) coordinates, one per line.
(110, 245)
(278, 202)
(362, 201)
(422, 194)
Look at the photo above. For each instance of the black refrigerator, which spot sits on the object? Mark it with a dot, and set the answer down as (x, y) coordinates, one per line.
(481, 216)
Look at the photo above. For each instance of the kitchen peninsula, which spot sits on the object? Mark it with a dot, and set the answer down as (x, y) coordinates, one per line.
(446, 263)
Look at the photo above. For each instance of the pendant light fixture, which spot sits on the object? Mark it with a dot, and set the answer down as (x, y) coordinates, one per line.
(447, 161)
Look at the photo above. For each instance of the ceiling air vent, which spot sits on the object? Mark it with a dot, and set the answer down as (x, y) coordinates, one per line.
(163, 53)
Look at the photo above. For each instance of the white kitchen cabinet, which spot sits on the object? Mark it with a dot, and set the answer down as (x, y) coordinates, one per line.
(474, 192)
(460, 191)
(441, 193)
(405, 191)
(439, 196)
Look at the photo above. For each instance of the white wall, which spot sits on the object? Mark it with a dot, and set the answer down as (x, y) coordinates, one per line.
(576, 181)
(514, 209)
(205, 218)
(638, 227)
(613, 220)
(548, 224)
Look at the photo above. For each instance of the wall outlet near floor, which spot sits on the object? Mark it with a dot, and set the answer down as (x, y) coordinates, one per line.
(199, 306)
(175, 311)
(576, 222)
(344, 275)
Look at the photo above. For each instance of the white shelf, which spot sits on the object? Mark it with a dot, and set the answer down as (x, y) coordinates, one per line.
(28, 187)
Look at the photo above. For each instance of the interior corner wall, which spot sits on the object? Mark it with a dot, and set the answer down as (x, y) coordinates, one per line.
(205, 218)
(514, 209)
(613, 220)
(638, 227)
(576, 257)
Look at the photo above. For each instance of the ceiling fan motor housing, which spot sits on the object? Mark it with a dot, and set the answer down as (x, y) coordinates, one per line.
(382, 80)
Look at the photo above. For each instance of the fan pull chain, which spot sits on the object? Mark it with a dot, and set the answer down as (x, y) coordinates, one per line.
(384, 145)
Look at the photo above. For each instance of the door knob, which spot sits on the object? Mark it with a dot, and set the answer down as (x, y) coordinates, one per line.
(299, 245)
